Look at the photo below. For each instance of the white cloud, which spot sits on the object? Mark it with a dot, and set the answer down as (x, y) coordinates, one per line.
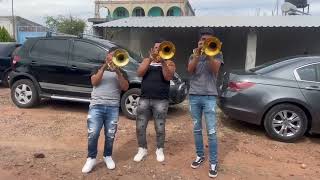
(243, 7)
(36, 10)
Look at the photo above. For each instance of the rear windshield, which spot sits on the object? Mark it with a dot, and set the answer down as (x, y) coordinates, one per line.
(271, 66)
(7, 49)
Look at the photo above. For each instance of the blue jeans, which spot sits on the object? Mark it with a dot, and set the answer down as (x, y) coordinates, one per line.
(102, 115)
(204, 105)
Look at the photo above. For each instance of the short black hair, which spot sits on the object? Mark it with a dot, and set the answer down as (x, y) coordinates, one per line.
(206, 31)
(159, 40)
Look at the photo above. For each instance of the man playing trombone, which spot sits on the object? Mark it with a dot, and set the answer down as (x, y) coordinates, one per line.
(108, 82)
(156, 71)
(204, 65)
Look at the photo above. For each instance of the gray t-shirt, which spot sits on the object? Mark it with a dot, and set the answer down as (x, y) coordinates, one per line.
(107, 92)
(203, 80)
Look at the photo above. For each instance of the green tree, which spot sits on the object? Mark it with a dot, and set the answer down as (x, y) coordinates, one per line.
(4, 35)
(67, 25)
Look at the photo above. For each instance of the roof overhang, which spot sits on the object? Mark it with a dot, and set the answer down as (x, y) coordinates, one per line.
(214, 21)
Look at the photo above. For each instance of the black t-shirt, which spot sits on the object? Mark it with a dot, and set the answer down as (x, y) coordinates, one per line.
(154, 86)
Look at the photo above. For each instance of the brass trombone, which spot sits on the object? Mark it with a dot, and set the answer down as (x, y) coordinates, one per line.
(167, 50)
(120, 58)
(212, 46)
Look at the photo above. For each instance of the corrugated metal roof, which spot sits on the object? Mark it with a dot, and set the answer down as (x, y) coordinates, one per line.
(215, 21)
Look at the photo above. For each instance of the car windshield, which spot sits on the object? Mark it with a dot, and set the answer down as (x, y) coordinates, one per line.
(132, 54)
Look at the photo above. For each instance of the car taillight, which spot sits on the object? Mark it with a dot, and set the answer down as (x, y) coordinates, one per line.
(16, 59)
(239, 86)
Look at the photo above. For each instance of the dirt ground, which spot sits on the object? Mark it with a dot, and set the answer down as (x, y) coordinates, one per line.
(58, 130)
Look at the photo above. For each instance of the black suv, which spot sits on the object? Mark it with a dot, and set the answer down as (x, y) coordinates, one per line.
(6, 52)
(59, 67)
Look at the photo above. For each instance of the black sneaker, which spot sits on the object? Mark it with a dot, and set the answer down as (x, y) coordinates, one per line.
(213, 172)
(195, 164)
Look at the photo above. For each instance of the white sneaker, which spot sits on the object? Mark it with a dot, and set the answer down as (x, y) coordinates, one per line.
(142, 152)
(89, 165)
(160, 155)
(109, 162)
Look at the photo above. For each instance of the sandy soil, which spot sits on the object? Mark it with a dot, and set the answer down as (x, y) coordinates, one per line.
(58, 130)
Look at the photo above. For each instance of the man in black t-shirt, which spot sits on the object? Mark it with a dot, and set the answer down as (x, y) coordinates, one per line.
(156, 74)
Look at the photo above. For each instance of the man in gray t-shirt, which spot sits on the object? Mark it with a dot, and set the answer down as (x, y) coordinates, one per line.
(107, 82)
(203, 80)
(202, 98)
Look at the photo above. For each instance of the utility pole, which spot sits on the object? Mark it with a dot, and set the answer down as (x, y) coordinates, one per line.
(277, 7)
(13, 22)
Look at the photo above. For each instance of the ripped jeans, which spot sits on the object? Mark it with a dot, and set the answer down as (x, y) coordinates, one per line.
(204, 105)
(159, 110)
(102, 115)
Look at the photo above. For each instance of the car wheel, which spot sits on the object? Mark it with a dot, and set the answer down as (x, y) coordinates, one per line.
(6, 78)
(24, 94)
(129, 103)
(286, 122)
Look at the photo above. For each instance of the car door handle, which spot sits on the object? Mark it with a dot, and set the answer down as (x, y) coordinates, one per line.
(313, 88)
(74, 67)
(33, 62)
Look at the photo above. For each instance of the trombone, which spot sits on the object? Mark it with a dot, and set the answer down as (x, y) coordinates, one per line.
(120, 59)
(211, 47)
(167, 50)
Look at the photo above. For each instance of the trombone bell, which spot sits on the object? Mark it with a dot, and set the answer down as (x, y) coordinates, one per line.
(212, 46)
(167, 50)
(120, 58)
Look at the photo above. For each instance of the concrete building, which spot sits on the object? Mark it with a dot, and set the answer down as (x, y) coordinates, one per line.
(247, 41)
(107, 10)
(23, 27)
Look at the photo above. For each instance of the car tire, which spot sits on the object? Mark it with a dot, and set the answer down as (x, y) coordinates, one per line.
(5, 79)
(24, 94)
(286, 123)
(129, 102)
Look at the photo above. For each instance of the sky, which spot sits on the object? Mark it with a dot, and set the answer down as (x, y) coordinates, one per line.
(36, 10)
